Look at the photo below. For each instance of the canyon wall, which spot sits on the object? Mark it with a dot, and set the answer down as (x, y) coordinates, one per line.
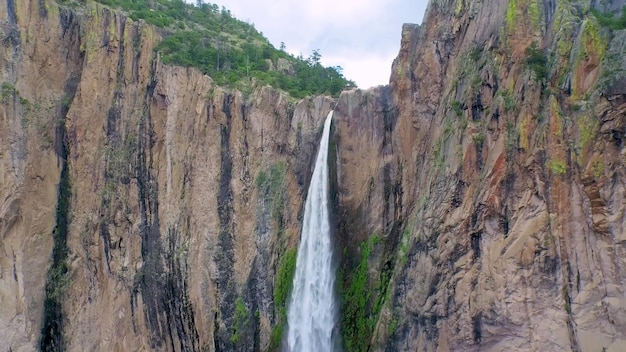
(486, 184)
(479, 198)
(141, 206)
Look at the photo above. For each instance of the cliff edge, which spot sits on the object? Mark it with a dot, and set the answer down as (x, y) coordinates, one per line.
(478, 198)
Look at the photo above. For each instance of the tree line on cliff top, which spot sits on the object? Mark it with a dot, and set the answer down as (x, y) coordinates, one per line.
(230, 51)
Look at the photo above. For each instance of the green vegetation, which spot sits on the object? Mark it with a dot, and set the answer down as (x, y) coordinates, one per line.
(356, 324)
(511, 14)
(478, 138)
(359, 317)
(270, 184)
(57, 281)
(460, 122)
(118, 167)
(241, 320)
(231, 51)
(40, 114)
(271, 188)
(476, 53)
(598, 169)
(508, 100)
(403, 252)
(537, 61)
(282, 288)
(611, 67)
(593, 40)
(557, 167)
(459, 7)
(8, 90)
(421, 203)
(610, 20)
(566, 300)
(393, 326)
(438, 155)
(447, 128)
(533, 13)
(66, 101)
(588, 128)
(566, 17)
(457, 107)
(29, 109)
(512, 136)
(275, 180)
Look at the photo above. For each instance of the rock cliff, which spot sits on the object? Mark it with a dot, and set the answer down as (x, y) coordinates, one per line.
(479, 197)
(142, 207)
(489, 192)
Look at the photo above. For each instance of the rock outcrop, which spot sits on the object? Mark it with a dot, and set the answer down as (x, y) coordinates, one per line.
(489, 192)
(479, 198)
(141, 206)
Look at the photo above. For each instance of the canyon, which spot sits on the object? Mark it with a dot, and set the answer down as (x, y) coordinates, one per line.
(478, 200)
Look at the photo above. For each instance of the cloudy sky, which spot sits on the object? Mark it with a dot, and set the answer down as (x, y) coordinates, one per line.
(362, 36)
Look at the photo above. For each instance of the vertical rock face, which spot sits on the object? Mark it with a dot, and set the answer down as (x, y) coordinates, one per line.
(489, 191)
(479, 198)
(141, 206)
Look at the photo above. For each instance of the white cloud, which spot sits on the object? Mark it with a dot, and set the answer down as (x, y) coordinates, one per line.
(341, 13)
(363, 37)
(366, 71)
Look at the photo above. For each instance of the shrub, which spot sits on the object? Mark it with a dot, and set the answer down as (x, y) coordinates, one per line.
(611, 21)
(7, 90)
(282, 288)
(478, 138)
(557, 167)
(241, 320)
(537, 61)
(457, 107)
(360, 304)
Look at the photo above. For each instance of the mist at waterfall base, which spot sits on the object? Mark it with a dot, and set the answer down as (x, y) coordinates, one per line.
(312, 311)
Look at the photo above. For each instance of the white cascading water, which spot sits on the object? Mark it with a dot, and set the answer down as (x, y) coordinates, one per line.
(312, 312)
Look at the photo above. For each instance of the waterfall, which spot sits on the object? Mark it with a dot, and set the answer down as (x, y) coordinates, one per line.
(312, 311)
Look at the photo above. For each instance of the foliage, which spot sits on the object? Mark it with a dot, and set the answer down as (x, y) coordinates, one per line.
(439, 157)
(537, 61)
(66, 101)
(533, 12)
(360, 305)
(593, 43)
(357, 319)
(610, 20)
(598, 169)
(478, 138)
(511, 13)
(57, 281)
(282, 288)
(588, 128)
(231, 51)
(507, 98)
(512, 135)
(275, 180)
(557, 167)
(476, 53)
(284, 279)
(7, 90)
(241, 320)
(271, 188)
(270, 185)
(403, 252)
(393, 326)
(457, 107)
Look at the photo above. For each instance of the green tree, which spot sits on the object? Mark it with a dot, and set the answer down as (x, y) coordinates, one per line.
(232, 52)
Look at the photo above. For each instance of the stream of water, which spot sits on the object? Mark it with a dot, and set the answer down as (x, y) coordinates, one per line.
(312, 310)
